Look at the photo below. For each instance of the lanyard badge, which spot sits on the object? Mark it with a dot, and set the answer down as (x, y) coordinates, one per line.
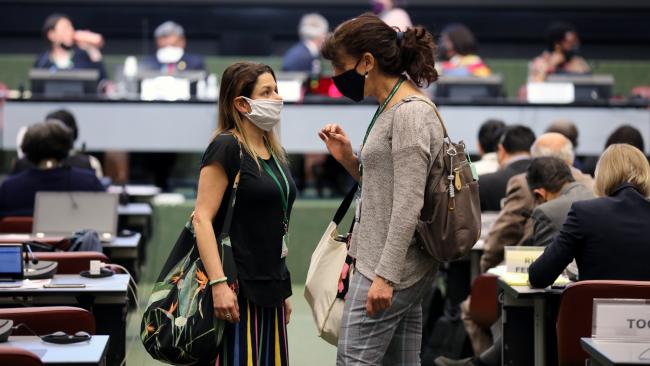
(284, 197)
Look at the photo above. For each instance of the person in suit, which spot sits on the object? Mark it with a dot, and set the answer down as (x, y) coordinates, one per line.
(305, 55)
(513, 152)
(488, 137)
(552, 184)
(76, 158)
(70, 49)
(47, 146)
(171, 56)
(607, 236)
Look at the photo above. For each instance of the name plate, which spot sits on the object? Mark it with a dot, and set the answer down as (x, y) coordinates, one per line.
(621, 319)
(550, 93)
(518, 259)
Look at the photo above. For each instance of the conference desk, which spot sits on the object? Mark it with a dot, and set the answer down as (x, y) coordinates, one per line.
(122, 250)
(140, 126)
(91, 353)
(616, 353)
(136, 216)
(106, 298)
(525, 323)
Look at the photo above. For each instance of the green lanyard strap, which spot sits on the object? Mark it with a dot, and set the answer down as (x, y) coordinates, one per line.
(379, 111)
(284, 194)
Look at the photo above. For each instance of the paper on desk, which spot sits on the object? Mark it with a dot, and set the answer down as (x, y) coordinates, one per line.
(34, 284)
(521, 279)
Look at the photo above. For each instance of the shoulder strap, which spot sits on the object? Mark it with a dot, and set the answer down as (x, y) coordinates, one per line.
(345, 205)
(435, 110)
(227, 223)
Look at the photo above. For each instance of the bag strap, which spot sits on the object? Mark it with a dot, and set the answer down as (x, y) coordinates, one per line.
(227, 223)
(345, 205)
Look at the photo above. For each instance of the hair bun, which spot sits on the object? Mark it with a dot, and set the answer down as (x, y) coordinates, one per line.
(418, 55)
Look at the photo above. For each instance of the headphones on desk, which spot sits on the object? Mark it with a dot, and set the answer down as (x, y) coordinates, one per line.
(60, 337)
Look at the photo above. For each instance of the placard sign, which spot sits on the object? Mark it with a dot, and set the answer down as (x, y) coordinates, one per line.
(518, 259)
(621, 319)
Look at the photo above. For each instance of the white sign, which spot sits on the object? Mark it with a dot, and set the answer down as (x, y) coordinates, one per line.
(518, 259)
(621, 319)
(550, 93)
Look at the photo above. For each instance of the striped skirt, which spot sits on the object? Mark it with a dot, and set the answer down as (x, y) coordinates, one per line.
(259, 339)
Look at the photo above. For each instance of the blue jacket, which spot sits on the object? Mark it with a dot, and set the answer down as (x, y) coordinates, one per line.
(609, 237)
(298, 58)
(18, 192)
(189, 62)
(80, 61)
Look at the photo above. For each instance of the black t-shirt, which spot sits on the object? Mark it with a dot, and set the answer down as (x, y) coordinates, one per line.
(256, 231)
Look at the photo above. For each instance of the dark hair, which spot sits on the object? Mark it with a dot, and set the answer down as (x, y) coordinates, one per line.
(51, 21)
(395, 52)
(626, 134)
(517, 138)
(556, 32)
(50, 140)
(549, 173)
(462, 38)
(566, 128)
(489, 134)
(65, 117)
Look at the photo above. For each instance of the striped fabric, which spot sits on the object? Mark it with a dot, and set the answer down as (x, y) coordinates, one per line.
(259, 339)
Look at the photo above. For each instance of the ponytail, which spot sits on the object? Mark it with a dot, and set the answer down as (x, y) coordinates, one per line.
(417, 54)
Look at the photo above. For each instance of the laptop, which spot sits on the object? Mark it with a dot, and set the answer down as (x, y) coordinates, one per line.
(11, 262)
(64, 213)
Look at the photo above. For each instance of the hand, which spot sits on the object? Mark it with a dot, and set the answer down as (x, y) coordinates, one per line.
(287, 310)
(337, 142)
(557, 58)
(225, 303)
(380, 296)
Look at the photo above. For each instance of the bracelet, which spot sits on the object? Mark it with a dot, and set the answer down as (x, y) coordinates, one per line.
(217, 281)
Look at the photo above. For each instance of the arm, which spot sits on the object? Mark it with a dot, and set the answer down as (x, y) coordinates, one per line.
(557, 256)
(509, 227)
(543, 229)
(213, 182)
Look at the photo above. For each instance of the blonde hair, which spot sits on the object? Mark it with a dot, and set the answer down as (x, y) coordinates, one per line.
(238, 80)
(622, 163)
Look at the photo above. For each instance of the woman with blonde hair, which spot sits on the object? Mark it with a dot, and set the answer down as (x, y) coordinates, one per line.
(257, 308)
(607, 236)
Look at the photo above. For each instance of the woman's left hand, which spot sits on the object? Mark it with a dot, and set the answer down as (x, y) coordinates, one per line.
(287, 310)
(380, 296)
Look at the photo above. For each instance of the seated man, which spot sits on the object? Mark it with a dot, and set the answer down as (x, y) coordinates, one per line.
(305, 55)
(488, 138)
(560, 57)
(46, 145)
(70, 49)
(171, 56)
(514, 156)
(76, 158)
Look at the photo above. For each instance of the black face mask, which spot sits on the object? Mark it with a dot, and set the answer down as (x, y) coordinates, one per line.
(351, 84)
(65, 46)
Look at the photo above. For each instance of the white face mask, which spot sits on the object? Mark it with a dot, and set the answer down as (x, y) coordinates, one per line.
(265, 113)
(169, 54)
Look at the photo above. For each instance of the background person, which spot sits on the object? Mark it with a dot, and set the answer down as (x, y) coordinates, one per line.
(390, 12)
(305, 55)
(170, 56)
(561, 54)
(259, 308)
(458, 49)
(70, 49)
(47, 146)
(488, 138)
(382, 320)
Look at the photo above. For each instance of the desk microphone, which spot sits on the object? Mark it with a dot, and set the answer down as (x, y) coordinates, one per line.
(30, 253)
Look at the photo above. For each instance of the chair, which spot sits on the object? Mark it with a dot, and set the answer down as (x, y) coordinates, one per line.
(575, 314)
(71, 262)
(50, 319)
(16, 224)
(18, 357)
(483, 304)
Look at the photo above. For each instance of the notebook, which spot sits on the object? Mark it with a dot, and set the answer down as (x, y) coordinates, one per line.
(63, 213)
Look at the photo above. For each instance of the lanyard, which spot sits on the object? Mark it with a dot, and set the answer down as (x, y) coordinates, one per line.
(284, 194)
(379, 111)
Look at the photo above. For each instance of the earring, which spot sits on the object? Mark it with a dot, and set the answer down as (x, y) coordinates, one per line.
(366, 75)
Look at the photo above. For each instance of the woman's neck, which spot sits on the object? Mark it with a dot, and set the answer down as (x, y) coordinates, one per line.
(59, 53)
(48, 164)
(256, 138)
(384, 86)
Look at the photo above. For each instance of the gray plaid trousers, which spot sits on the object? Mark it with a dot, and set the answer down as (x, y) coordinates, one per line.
(393, 338)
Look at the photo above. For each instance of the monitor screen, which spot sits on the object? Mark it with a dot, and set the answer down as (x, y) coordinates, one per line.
(64, 83)
(11, 261)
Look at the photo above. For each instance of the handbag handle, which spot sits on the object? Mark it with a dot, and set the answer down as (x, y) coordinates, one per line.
(345, 205)
(227, 222)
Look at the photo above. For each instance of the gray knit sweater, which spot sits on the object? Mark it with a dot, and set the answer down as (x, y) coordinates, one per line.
(396, 160)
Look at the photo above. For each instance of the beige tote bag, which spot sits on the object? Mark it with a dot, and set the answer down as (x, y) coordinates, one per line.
(329, 275)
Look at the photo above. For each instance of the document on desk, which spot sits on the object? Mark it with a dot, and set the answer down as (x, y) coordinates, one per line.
(521, 279)
(34, 284)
